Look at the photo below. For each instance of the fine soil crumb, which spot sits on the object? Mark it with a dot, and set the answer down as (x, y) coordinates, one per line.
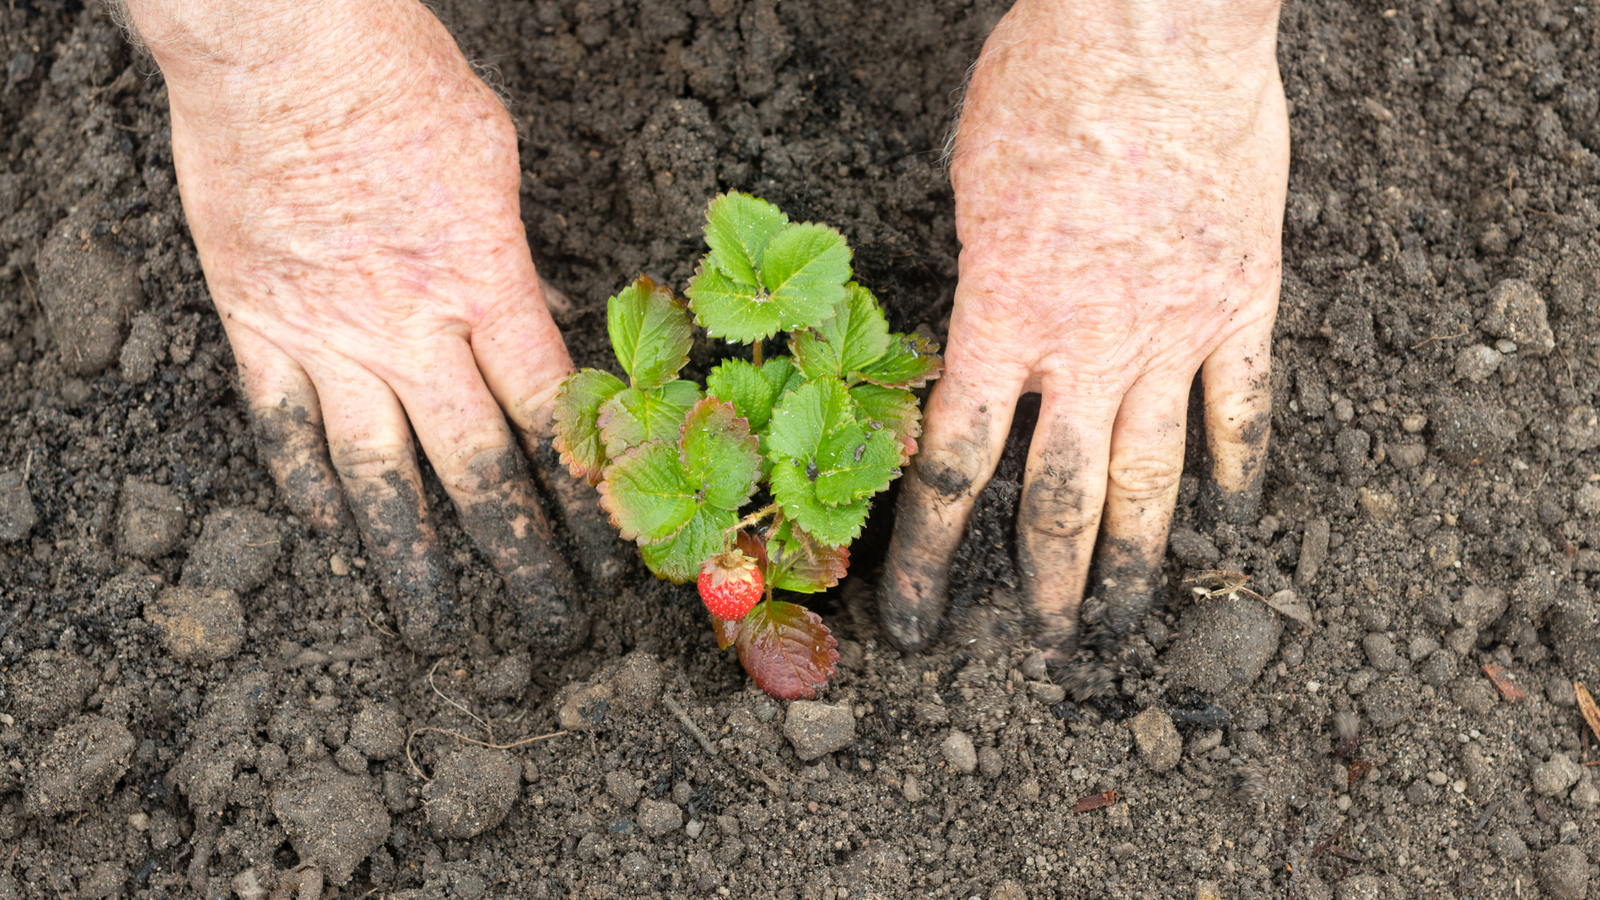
(1223, 644)
(88, 291)
(1564, 872)
(378, 732)
(332, 817)
(236, 551)
(79, 766)
(472, 790)
(17, 512)
(48, 687)
(151, 519)
(198, 626)
(817, 729)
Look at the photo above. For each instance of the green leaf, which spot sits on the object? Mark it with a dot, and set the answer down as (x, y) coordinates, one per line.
(738, 227)
(650, 333)
(635, 417)
(719, 455)
(833, 526)
(854, 337)
(797, 562)
(577, 409)
(787, 650)
(912, 360)
(817, 477)
(679, 558)
(731, 311)
(895, 410)
(647, 493)
(746, 387)
(806, 416)
(854, 463)
(804, 268)
(783, 375)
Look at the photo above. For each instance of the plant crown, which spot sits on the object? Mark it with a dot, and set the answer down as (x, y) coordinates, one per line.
(822, 429)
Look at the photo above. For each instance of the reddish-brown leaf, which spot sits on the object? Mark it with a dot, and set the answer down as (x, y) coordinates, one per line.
(753, 547)
(1502, 680)
(787, 650)
(727, 631)
(1094, 801)
(1357, 769)
(807, 566)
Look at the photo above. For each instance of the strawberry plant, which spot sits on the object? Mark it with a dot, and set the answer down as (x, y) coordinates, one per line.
(759, 479)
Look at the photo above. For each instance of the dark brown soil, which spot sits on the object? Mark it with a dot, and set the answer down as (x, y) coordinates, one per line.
(199, 691)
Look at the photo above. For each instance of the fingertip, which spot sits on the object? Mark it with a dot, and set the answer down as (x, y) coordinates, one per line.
(286, 420)
(1237, 384)
(961, 443)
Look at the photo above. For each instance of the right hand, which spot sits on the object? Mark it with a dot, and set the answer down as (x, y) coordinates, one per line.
(352, 189)
(1120, 172)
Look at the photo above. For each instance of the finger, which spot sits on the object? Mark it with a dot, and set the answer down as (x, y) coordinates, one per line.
(968, 415)
(1063, 495)
(287, 421)
(1237, 381)
(523, 361)
(464, 433)
(1145, 465)
(370, 444)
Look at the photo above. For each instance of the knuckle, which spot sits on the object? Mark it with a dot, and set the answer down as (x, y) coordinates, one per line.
(1144, 479)
(1058, 516)
(366, 460)
(479, 467)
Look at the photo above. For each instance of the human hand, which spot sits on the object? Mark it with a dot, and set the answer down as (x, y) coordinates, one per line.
(1120, 172)
(352, 189)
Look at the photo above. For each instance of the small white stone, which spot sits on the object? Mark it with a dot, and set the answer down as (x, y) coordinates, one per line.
(694, 828)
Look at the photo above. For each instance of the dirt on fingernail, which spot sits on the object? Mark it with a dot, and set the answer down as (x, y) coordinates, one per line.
(295, 450)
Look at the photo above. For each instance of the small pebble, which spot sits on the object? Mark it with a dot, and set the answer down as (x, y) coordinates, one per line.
(658, 818)
(1555, 775)
(694, 828)
(959, 752)
(816, 729)
(1157, 738)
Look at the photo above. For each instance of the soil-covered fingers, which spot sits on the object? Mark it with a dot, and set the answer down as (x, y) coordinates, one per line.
(287, 420)
(1142, 476)
(523, 360)
(966, 422)
(1237, 381)
(1058, 518)
(463, 431)
(371, 449)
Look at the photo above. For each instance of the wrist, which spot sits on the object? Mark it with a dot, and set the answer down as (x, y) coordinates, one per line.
(1185, 46)
(254, 60)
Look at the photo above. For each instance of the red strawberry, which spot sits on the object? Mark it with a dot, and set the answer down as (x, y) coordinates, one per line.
(730, 585)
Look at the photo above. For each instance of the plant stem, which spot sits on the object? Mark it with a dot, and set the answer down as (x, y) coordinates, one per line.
(755, 352)
(754, 517)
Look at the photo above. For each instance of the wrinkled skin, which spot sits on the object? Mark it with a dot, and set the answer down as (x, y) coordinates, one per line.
(351, 186)
(1120, 172)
